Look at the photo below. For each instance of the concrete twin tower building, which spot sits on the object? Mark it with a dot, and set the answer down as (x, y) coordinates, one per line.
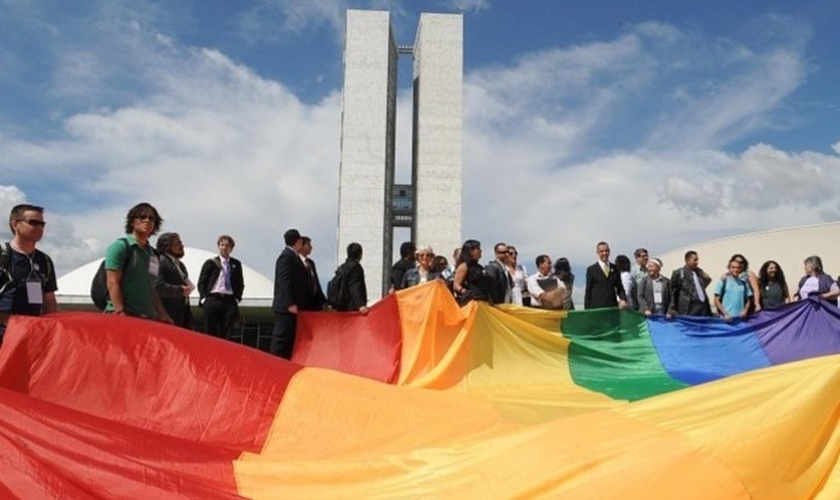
(371, 204)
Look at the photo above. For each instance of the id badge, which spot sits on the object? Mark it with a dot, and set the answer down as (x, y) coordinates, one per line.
(154, 266)
(34, 294)
(657, 297)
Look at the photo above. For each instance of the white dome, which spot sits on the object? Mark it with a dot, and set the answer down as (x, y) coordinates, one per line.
(789, 247)
(74, 287)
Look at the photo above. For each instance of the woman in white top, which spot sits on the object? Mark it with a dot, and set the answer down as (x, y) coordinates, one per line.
(519, 293)
(622, 264)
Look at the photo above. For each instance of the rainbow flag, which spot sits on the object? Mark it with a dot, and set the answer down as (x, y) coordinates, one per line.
(423, 399)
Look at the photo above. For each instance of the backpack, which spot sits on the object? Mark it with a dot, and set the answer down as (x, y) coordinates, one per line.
(740, 282)
(5, 273)
(99, 283)
(338, 296)
(5, 267)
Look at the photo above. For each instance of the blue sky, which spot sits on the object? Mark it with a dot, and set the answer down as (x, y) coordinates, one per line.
(655, 124)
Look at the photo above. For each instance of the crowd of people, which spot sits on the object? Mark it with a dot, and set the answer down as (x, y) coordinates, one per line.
(152, 282)
(637, 285)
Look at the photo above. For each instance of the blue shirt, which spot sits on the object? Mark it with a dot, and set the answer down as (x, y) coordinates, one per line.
(735, 294)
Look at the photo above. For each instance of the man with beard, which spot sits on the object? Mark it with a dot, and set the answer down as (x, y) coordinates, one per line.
(173, 283)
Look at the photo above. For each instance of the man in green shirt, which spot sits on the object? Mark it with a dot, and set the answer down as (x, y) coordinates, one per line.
(132, 267)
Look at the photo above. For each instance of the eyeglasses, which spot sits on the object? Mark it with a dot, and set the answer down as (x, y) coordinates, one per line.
(145, 217)
(511, 252)
(35, 222)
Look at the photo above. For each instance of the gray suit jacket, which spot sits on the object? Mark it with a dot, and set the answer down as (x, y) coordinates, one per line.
(685, 300)
(644, 294)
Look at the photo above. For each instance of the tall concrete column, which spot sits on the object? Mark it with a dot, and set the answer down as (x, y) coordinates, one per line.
(438, 134)
(367, 143)
(368, 126)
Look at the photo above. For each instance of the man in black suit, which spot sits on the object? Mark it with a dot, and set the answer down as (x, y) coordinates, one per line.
(173, 283)
(220, 287)
(407, 261)
(316, 300)
(501, 282)
(291, 294)
(603, 282)
(355, 277)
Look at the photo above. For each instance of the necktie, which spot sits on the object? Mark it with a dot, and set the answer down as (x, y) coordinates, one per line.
(311, 275)
(226, 274)
(606, 269)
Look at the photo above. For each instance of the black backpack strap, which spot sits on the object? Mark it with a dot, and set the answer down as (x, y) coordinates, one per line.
(5, 257)
(127, 259)
(5, 260)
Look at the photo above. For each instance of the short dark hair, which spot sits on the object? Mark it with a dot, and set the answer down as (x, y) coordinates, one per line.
(138, 210)
(354, 251)
(639, 251)
(164, 241)
(689, 254)
(18, 210)
(227, 238)
(407, 249)
(542, 258)
(305, 240)
(291, 237)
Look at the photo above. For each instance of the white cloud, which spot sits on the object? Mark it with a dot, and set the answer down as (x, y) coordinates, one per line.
(9, 197)
(272, 20)
(623, 140)
(620, 140)
(468, 5)
(217, 150)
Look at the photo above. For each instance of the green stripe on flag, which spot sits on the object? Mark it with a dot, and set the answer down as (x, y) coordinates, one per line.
(611, 352)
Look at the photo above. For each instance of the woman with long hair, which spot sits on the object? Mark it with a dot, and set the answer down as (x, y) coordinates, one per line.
(470, 282)
(563, 270)
(772, 285)
(622, 265)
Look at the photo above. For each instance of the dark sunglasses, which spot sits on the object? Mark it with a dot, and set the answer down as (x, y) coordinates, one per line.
(35, 222)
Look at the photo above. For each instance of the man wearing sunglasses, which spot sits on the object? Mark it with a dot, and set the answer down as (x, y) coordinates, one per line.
(132, 267)
(27, 275)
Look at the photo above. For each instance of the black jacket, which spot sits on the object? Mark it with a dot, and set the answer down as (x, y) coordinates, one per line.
(355, 277)
(601, 290)
(210, 274)
(169, 286)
